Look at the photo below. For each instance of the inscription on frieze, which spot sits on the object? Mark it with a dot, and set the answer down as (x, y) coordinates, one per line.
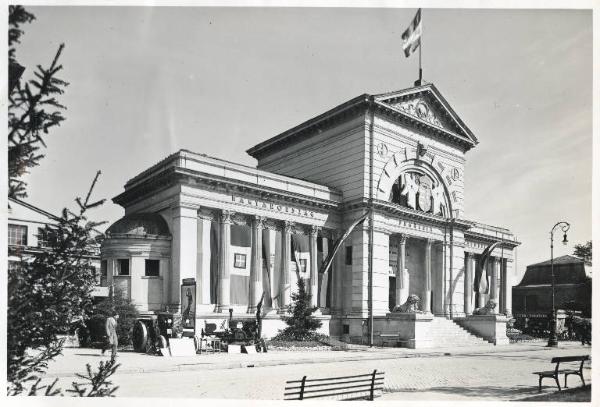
(271, 206)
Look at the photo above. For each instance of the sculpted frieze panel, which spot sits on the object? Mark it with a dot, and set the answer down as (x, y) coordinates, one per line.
(421, 109)
(420, 192)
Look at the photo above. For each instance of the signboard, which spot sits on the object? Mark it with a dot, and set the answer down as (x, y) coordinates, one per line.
(188, 303)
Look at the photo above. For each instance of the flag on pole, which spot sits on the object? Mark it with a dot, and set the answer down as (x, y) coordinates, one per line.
(482, 284)
(411, 38)
(327, 262)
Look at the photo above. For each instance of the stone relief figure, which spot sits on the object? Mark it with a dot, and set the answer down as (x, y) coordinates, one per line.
(488, 309)
(437, 193)
(410, 187)
(411, 305)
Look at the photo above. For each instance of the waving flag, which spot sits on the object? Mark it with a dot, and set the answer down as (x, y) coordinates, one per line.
(411, 38)
(481, 284)
(327, 262)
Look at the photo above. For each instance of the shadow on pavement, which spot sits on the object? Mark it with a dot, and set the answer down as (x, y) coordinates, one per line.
(479, 392)
(577, 394)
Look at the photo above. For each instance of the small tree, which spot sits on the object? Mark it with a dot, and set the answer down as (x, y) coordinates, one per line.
(584, 251)
(47, 295)
(301, 324)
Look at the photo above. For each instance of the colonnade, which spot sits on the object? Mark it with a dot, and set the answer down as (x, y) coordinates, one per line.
(258, 224)
(499, 290)
(402, 278)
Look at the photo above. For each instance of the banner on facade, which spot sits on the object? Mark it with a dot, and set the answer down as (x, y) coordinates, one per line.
(214, 261)
(300, 256)
(240, 252)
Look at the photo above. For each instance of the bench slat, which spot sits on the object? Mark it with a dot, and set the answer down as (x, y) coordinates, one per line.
(342, 393)
(331, 387)
(363, 386)
(336, 378)
(366, 381)
(560, 359)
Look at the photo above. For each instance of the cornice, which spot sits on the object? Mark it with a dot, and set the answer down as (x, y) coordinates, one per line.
(173, 176)
(361, 104)
(407, 213)
(303, 130)
(480, 237)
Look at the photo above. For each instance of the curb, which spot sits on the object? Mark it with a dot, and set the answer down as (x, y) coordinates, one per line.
(281, 362)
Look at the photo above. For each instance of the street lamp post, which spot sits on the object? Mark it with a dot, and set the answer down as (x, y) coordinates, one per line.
(564, 226)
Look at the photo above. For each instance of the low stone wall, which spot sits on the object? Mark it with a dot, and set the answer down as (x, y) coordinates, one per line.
(492, 328)
(271, 323)
(412, 329)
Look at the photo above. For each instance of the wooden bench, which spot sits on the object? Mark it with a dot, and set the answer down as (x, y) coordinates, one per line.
(569, 371)
(392, 338)
(360, 387)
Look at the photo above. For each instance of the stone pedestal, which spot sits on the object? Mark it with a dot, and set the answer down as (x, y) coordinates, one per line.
(492, 328)
(413, 329)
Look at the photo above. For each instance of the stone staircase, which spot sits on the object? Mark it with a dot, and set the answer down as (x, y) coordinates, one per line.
(446, 333)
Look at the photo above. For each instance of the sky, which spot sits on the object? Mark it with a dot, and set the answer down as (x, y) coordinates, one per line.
(148, 81)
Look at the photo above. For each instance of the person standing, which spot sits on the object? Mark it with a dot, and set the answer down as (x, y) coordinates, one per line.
(111, 332)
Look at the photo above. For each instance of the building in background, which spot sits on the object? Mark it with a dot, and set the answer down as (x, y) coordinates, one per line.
(236, 232)
(26, 237)
(573, 288)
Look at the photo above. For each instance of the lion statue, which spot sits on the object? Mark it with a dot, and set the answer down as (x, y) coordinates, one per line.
(411, 305)
(488, 309)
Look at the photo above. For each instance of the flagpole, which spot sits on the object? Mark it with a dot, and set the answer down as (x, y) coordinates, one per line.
(421, 46)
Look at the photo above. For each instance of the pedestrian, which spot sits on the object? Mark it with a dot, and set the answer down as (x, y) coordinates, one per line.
(111, 333)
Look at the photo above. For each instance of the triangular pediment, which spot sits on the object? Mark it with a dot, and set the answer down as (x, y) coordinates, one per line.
(426, 105)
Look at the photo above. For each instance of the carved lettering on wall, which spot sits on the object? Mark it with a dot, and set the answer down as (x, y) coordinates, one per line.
(270, 206)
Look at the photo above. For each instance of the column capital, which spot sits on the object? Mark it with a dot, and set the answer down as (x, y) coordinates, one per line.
(288, 226)
(207, 214)
(313, 230)
(429, 242)
(469, 255)
(226, 216)
(259, 222)
(402, 238)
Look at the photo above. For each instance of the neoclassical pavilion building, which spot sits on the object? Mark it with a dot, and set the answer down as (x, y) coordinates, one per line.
(206, 235)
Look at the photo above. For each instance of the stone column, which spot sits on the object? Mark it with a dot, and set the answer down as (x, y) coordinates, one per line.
(184, 248)
(426, 300)
(255, 290)
(224, 266)
(314, 278)
(508, 287)
(494, 282)
(336, 276)
(469, 271)
(401, 290)
(284, 280)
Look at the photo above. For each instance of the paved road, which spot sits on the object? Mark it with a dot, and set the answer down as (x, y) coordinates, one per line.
(499, 376)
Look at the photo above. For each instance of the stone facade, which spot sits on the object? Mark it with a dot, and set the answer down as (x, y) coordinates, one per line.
(398, 156)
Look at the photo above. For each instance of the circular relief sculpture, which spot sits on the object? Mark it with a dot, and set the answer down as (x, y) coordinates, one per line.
(422, 110)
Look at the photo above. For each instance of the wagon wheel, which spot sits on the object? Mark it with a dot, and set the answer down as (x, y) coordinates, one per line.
(162, 342)
(140, 336)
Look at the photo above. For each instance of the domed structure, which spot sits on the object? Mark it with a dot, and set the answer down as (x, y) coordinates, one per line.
(136, 259)
(140, 224)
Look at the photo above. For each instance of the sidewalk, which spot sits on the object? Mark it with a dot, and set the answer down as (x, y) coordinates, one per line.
(74, 359)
